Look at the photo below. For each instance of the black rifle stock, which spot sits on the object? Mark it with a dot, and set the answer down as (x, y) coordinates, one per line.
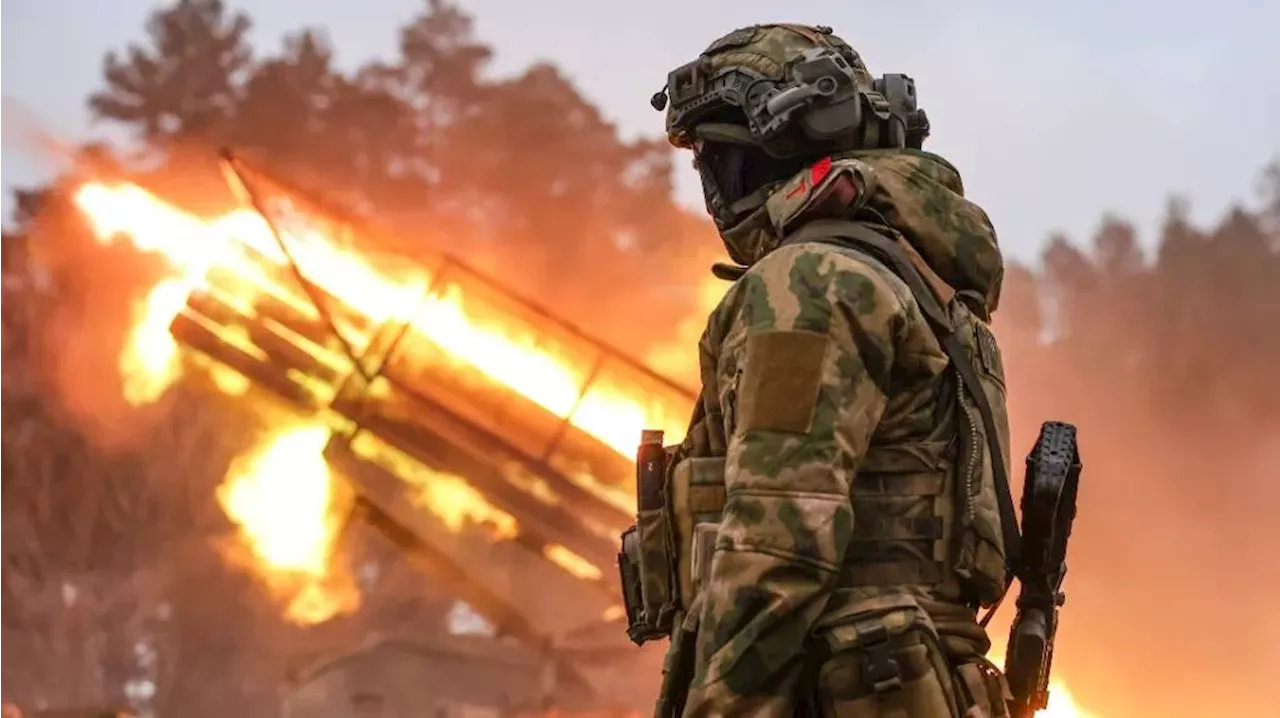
(1048, 509)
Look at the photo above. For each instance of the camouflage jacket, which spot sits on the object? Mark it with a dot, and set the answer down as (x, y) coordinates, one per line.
(814, 356)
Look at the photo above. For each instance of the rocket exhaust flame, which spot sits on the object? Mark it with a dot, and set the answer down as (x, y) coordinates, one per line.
(229, 297)
(243, 187)
(149, 363)
(284, 497)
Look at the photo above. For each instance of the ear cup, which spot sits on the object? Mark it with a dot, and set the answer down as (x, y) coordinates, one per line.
(907, 125)
(832, 122)
(917, 130)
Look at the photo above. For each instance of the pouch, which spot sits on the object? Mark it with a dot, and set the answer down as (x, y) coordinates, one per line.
(655, 562)
(986, 688)
(697, 496)
(646, 562)
(884, 660)
(638, 628)
(980, 560)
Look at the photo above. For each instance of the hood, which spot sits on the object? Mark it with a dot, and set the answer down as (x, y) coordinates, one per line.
(920, 195)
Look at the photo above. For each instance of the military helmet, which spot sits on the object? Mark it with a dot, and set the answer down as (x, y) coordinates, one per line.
(793, 90)
(764, 101)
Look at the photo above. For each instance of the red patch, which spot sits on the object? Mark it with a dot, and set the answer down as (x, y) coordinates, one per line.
(798, 189)
(820, 170)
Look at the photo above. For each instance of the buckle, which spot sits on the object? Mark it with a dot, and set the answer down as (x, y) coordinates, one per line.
(879, 667)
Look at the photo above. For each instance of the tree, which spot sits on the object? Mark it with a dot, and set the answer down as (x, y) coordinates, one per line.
(1070, 279)
(308, 120)
(1117, 250)
(524, 168)
(183, 85)
(284, 100)
(1270, 182)
(550, 187)
(1163, 366)
(440, 64)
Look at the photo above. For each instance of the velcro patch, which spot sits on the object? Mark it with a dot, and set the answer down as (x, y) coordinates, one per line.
(781, 378)
(737, 38)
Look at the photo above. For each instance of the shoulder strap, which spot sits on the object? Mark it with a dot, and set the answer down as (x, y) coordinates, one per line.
(844, 233)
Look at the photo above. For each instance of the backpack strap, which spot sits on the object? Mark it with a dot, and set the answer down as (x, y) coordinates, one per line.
(844, 233)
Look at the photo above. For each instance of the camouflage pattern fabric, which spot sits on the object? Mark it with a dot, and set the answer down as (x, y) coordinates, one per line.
(815, 360)
(921, 195)
(764, 49)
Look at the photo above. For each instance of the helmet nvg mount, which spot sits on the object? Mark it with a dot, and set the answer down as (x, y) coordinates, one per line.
(792, 90)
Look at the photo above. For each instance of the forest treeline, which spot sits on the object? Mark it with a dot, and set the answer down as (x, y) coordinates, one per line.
(114, 590)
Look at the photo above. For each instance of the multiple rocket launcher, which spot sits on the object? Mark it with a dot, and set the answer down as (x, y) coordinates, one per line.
(405, 413)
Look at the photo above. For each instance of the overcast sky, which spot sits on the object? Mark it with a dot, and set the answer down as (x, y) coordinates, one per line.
(1055, 112)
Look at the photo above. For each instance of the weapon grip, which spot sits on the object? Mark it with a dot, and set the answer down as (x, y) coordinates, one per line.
(1027, 666)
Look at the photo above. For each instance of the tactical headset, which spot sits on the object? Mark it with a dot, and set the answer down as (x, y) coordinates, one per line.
(819, 102)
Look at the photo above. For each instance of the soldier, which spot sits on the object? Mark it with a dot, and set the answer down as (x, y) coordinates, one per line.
(839, 509)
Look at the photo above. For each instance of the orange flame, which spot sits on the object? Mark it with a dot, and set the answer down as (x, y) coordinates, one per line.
(149, 363)
(672, 358)
(572, 562)
(282, 495)
(1062, 704)
(610, 412)
(450, 498)
(192, 246)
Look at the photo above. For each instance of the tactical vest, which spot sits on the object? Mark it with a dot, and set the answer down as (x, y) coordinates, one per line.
(972, 531)
(963, 545)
